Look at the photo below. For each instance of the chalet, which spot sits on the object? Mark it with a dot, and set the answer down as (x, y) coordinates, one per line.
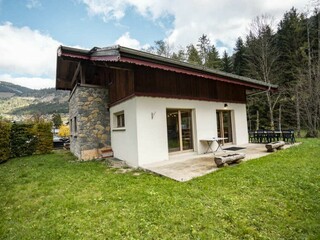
(147, 108)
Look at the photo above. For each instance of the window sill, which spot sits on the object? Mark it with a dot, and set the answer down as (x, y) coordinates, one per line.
(119, 129)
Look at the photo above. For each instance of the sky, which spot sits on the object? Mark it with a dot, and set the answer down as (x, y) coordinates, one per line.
(32, 30)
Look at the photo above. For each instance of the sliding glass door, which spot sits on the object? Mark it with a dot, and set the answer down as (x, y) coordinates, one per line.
(224, 125)
(179, 130)
(173, 130)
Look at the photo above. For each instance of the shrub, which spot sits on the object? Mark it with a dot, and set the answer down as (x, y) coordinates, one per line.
(64, 131)
(44, 137)
(5, 128)
(22, 140)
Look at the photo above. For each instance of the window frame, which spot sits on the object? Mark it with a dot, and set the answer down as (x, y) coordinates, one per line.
(119, 121)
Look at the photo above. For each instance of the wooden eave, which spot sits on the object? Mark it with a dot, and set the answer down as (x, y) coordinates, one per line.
(68, 58)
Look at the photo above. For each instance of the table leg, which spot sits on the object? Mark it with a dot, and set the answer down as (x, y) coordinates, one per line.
(219, 142)
(209, 143)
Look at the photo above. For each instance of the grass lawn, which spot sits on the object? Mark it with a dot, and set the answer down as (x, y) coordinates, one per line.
(52, 196)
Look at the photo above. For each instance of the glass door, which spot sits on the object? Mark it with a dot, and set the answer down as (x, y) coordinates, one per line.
(179, 130)
(224, 125)
(186, 129)
(173, 130)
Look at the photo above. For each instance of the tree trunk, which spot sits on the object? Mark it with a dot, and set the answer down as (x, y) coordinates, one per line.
(270, 110)
(310, 104)
(279, 124)
(298, 112)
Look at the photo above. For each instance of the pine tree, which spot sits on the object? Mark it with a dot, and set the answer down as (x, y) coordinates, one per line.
(203, 48)
(239, 63)
(290, 39)
(226, 63)
(213, 60)
(180, 55)
(289, 42)
(311, 78)
(193, 55)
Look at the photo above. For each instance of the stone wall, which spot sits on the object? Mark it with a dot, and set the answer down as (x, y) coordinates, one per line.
(88, 107)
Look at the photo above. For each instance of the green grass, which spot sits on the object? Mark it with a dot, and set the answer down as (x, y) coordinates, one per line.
(52, 196)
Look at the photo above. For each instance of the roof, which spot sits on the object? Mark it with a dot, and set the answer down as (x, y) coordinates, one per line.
(119, 53)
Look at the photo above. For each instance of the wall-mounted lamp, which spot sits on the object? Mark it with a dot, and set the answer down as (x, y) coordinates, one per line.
(225, 105)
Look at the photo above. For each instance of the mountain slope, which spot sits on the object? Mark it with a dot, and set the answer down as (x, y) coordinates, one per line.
(18, 100)
(6, 87)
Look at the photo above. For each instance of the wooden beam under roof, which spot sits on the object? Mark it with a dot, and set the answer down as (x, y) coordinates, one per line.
(75, 75)
(63, 84)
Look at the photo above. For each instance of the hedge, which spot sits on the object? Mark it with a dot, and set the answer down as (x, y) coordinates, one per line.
(24, 139)
(5, 129)
(44, 137)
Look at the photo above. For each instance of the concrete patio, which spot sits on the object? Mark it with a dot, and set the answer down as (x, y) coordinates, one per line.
(184, 167)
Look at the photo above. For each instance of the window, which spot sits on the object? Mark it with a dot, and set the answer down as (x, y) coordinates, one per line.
(119, 121)
(71, 126)
(75, 125)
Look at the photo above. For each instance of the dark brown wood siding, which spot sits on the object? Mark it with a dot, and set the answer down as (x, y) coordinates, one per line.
(121, 84)
(161, 83)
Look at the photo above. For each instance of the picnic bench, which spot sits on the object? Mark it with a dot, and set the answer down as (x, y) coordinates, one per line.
(225, 160)
(273, 146)
(267, 136)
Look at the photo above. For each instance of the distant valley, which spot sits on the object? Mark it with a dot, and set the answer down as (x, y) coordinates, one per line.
(21, 103)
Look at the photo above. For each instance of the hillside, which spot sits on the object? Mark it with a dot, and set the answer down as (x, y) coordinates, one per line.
(12, 89)
(16, 101)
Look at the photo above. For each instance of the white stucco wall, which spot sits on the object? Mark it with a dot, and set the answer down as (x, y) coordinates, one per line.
(240, 124)
(144, 140)
(124, 142)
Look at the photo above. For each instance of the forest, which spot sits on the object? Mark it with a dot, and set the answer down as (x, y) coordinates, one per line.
(286, 54)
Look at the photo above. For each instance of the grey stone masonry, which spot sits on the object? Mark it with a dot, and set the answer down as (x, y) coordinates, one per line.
(89, 121)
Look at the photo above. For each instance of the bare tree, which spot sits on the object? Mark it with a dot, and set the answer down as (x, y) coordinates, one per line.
(161, 48)
(262, 55)
(310, 102)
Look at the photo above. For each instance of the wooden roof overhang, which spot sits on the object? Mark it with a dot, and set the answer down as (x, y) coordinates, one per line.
(68, 60)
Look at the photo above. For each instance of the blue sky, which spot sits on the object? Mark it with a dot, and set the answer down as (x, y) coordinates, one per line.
(69, 22)
(31, 30)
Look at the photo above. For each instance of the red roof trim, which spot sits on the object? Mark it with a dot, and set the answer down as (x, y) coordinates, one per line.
(97, 58)
(185, 71)
(75, 55)
(117, 58)
(105, 58)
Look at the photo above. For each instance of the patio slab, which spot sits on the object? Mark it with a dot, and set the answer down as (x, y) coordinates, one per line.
(184, 167)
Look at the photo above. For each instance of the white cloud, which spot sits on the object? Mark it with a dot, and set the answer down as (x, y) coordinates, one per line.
(107, 9)
(29, 82)
(126, 41)
(33, 4)
(223, 21)
(26, 51)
